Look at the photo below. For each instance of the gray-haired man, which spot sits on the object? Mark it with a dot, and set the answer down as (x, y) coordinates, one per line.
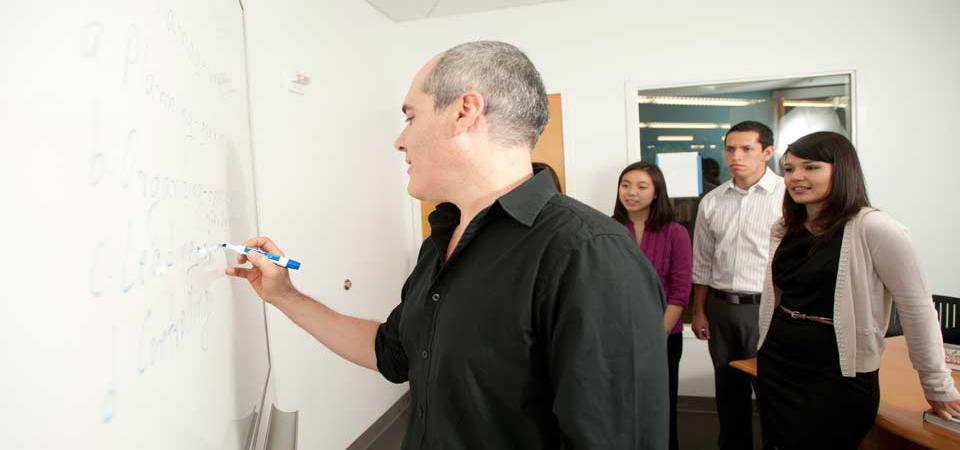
(531, 320)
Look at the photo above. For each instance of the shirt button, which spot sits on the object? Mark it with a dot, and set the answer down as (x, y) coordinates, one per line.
(435, 297)
(425, 354)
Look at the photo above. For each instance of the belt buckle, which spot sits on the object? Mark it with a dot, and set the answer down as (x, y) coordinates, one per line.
(796, 315)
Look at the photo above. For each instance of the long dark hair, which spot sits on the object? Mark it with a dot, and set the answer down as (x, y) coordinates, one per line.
(661, 210)
(848, 192)
(541, 166)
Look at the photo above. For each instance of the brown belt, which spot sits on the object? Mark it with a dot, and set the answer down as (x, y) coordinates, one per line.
(736, 299)
(801, 316)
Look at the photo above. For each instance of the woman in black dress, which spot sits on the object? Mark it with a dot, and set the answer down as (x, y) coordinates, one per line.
(835, 264)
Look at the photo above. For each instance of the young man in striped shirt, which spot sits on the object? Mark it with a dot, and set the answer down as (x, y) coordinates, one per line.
(730, 247)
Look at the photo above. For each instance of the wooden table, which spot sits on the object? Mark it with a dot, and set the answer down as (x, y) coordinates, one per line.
(899, 422)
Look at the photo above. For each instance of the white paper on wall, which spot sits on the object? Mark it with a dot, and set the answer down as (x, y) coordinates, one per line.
(682, 172)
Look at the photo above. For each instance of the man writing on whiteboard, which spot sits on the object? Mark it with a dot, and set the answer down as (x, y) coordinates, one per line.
(530, 320)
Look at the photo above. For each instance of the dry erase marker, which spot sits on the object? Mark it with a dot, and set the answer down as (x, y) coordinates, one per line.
(281, 261)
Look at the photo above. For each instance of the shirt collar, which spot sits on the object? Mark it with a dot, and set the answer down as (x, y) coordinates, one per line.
(523, 203)
(632, 229)
(768, 182)
(526, 201)
(445, 216)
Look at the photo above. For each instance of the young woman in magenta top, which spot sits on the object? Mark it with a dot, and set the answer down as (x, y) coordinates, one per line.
(643, 206)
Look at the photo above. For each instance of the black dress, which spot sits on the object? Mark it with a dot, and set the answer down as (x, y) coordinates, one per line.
(804, 401)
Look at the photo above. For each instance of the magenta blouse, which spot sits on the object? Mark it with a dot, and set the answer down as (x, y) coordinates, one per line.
(670, 254)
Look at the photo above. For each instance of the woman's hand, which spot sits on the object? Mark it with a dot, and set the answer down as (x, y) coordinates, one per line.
(945, 410)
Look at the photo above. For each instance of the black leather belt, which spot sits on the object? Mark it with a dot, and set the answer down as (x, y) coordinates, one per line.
(737, 299)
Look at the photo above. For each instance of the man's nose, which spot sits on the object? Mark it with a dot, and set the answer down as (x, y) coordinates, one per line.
(398, 143)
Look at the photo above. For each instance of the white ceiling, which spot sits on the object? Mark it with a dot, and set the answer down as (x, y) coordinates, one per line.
(401, 10)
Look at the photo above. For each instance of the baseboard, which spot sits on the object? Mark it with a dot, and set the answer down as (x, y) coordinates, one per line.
(393, 413)
(701, 405)
(687, 403)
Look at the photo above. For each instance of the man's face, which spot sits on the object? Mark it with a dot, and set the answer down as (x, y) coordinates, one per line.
(426, 141)
(745, 155)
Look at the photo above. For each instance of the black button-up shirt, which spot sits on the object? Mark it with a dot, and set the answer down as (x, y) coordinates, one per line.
(543, 330)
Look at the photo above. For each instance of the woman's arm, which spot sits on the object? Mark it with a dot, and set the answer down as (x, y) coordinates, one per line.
(680, 275)
(896, 263)
(670, 317)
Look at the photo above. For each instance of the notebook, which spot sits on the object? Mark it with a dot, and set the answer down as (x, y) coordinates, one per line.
(952, 424)
(953, 355)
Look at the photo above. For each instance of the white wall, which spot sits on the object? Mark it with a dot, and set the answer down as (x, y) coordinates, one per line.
(350, 223)
(905, 58)
(331, 193)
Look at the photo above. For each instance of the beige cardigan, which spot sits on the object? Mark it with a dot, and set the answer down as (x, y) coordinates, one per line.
(878, 267)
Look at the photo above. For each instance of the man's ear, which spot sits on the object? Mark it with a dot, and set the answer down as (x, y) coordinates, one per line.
(768, 152)
(470, 108)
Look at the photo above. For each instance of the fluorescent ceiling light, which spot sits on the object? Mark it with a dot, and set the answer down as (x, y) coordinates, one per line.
(675, 138)
(685, 125)
(697, 101)
(837, 103)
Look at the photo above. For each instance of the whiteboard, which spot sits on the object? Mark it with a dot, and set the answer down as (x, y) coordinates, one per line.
(125, 136)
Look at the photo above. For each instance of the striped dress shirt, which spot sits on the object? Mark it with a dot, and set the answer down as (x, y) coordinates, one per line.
(732, 234)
